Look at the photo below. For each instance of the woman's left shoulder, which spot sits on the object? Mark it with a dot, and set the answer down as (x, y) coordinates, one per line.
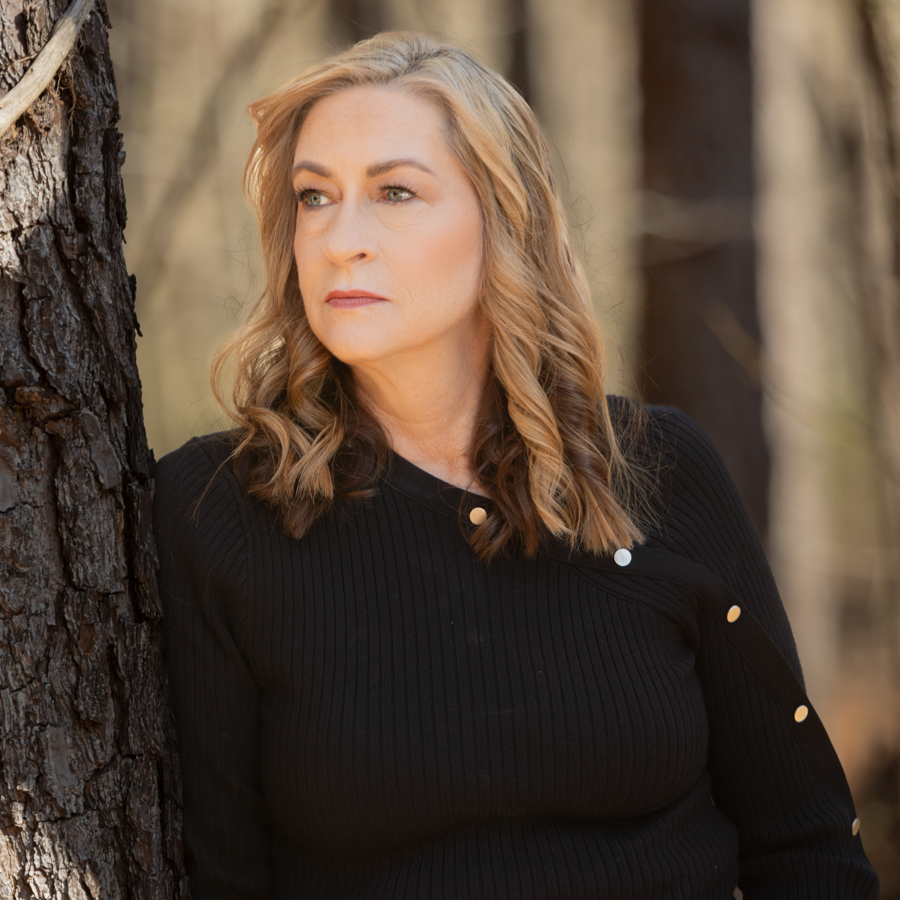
(687, 468)
(699, 512)
(664, 433)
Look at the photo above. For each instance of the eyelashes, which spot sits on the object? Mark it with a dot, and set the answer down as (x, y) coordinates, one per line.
(302, 195)
(389, 188)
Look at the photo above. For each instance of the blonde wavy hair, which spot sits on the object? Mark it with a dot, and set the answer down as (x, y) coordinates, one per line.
(545, 446)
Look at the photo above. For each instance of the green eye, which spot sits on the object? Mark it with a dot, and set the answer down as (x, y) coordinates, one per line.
(398, 194)
(310, 198)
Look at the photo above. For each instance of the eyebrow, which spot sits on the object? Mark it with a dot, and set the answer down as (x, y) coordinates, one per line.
(372, 171)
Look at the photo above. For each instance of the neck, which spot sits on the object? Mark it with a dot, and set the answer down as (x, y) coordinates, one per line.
(428, 406)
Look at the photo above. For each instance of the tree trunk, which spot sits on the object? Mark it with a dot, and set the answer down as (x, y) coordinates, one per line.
(700, 342)
(88, 779)
(519, 68)
(359, 19)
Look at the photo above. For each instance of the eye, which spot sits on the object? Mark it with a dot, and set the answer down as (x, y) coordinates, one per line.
(397, 194)
(311, 199)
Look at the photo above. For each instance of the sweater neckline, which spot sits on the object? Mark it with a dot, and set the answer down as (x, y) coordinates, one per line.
(457, 503)
(428, 489)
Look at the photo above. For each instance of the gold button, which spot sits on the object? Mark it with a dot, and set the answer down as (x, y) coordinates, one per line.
(800, 713)
(478, 516)
(733, 614)
(854, 828)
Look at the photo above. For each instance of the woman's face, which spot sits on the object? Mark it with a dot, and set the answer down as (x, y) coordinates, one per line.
(388, 240)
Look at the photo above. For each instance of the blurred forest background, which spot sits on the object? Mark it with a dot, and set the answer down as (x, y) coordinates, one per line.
(732, 173)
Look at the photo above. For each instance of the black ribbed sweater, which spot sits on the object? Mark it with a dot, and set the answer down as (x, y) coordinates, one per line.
(371, 712)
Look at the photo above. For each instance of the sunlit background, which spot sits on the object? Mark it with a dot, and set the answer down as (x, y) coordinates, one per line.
(731, 169)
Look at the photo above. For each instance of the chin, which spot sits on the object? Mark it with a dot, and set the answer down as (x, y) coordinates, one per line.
(354, 350)
(357, 342)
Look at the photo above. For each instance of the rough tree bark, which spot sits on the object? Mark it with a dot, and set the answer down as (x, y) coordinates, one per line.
(88, 782)
(699, 348)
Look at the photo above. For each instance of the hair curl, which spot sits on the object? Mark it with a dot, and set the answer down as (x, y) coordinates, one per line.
(545, 443)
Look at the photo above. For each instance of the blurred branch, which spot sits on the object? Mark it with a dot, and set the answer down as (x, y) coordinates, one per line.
(838, 427)
(715, 221)
(737, 342)
(38, 77)
(685, 227)
(202, 143)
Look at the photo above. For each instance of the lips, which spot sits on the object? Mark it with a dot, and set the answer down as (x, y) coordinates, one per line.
(352, 298)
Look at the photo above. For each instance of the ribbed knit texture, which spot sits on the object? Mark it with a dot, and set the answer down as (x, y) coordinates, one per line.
(371, 712)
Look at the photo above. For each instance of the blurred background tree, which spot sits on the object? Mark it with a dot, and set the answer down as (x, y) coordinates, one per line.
(731, 170)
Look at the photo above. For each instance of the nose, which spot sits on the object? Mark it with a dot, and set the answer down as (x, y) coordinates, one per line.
(349, 238)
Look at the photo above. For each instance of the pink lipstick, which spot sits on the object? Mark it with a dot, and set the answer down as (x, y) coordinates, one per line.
(352, 299)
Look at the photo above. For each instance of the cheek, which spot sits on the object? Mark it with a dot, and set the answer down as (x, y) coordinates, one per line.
(305, 259)
(300, 252)
(304, 276)
(465, 245)
(450, 257)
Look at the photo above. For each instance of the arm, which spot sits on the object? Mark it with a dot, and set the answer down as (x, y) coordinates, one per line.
(202, 577)
(776, 778)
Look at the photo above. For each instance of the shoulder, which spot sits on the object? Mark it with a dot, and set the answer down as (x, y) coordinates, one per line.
(694, 481)
(661, 433)
(203, 459)
(698, 509)
(196, 482)
(200, 525)
(198, 457)
(667, 442)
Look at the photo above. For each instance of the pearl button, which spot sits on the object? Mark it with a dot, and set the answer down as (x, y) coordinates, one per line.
(854, 828)
(733, 614)
(478, 515)
(800, 713)
(622, 557)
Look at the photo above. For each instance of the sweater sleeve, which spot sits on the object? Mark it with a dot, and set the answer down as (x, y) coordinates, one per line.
(202, 577)
(774, 772)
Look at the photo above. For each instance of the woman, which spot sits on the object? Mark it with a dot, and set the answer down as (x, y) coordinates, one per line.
(441, 620)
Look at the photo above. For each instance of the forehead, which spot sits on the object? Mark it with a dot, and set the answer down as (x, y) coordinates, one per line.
(372, 121)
